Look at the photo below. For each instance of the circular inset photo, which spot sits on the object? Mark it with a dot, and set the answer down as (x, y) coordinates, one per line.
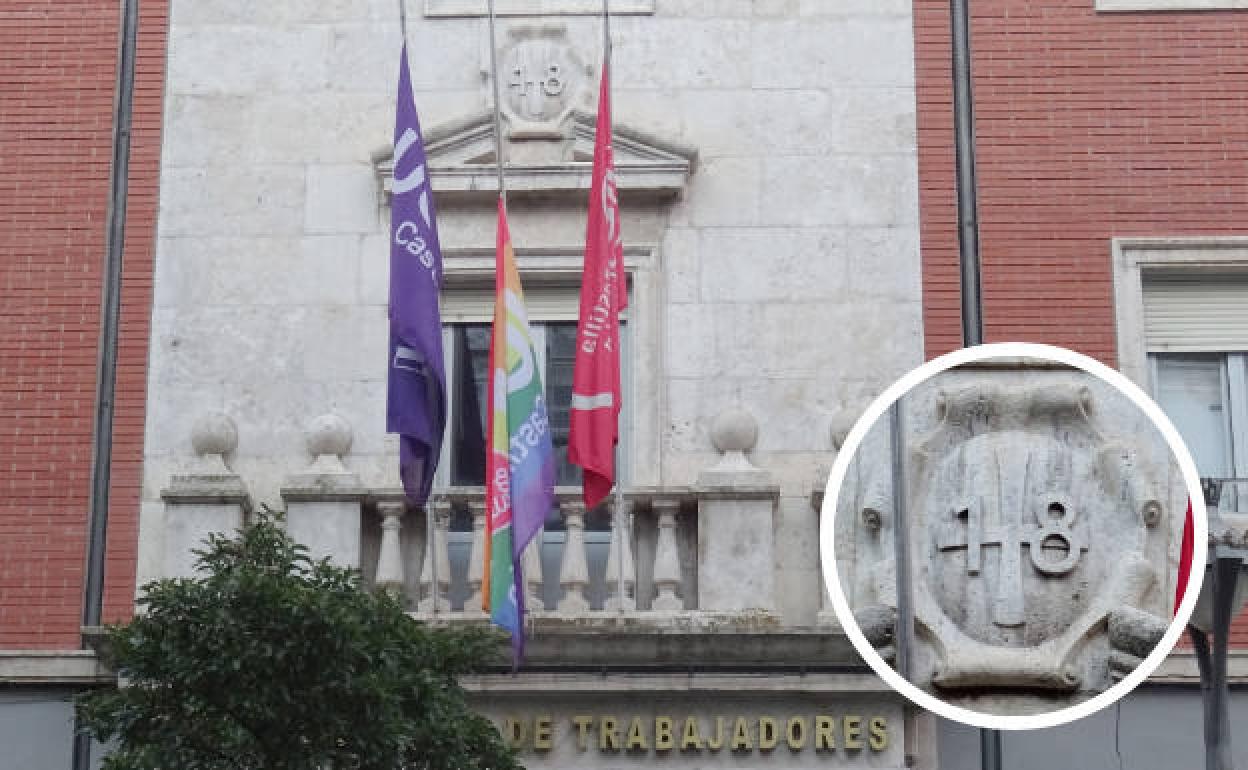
(1002, 535)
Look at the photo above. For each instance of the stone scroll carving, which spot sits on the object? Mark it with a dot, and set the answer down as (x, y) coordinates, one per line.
(1039, 536)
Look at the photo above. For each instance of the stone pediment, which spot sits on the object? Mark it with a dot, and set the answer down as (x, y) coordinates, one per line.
(544, 162)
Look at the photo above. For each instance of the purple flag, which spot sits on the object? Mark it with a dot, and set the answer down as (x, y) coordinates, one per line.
(416, 382)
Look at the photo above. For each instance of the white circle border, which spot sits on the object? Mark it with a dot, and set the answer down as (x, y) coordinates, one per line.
(837, 476)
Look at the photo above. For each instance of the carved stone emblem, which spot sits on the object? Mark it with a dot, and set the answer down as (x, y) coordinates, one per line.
(1037, 557)
(541, 78)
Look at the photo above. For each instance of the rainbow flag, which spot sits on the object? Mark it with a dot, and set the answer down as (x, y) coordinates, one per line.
(520, 464)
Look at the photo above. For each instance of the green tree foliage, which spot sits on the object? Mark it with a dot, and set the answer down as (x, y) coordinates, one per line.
(272, 661)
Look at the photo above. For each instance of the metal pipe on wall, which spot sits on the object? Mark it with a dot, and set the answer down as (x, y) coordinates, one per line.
(964, 160)
(968, 236)
(110, 318)
(901, 540)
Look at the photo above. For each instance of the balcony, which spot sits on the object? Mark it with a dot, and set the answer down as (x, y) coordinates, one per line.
(574, 567)
(692, 558)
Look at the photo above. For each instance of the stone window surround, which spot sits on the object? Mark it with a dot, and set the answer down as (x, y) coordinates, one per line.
(1170, 5)
(1133, 257)
(471, 8)
(560, 269)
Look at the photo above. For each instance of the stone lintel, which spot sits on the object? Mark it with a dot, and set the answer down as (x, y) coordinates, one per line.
(725, 489)
(636, 495)
(324, 489)
(52, 667)
(689, 641)
(531, 683)
(221, 489)
(570, 181)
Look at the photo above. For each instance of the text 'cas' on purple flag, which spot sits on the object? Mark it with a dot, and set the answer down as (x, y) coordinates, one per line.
(416, 380)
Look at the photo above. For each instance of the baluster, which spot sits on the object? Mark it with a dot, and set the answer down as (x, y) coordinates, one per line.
(621, 553)
(574, 569)
(437, 555)
(390, 557)
(531, 565)
(476, 559)
(666, 559)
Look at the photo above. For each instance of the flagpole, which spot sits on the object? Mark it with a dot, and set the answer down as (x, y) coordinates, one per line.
(498, 116)
(617, 521)
(431, 536)
(517, 563)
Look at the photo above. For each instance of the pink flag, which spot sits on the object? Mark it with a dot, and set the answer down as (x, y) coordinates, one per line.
(595, 411)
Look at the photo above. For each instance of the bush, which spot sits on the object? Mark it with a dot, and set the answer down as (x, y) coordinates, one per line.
(271, 661)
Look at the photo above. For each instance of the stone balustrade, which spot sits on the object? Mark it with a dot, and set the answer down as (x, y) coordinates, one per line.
(580, 564)
(583, 564)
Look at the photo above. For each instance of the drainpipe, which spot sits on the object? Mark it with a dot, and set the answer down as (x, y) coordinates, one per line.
(964, 159)
(110, 315)
(968, 238)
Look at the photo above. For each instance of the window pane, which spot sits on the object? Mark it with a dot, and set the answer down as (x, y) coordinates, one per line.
(1189, 391)
(560, 354)
(468, 394)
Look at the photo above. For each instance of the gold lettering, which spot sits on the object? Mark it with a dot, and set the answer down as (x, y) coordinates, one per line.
(692, 738)
(663, 734)
(741, 736)
(541, 733)
(636, 736)
(767, 736)
(582, 723)
(879, 734)
(514, 730)
(853, 732)
(858, 732)
(608, 734)
(718, 743)
(795, 733)
(825, 733)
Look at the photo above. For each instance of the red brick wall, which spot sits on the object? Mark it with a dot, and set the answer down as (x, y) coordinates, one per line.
(1088, 126)
(57, 78)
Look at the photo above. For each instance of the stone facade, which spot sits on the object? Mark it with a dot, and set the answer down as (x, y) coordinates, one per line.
(766, 162)
(798, 215)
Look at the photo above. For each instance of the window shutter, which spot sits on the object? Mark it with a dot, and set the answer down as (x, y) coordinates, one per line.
(1207, 313)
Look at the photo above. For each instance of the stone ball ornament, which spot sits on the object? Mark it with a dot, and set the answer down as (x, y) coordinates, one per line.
(734, 430)
(328, 434)
(214, 434)
(1000, 535)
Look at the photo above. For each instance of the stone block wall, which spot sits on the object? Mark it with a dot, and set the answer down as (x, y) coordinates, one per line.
(785, 279)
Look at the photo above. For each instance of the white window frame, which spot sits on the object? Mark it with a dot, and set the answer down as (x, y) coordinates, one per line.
(1234, 387)
(1170, 5)
(550, 275)
(1134, 260)
(560, 269)
(537, 330)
